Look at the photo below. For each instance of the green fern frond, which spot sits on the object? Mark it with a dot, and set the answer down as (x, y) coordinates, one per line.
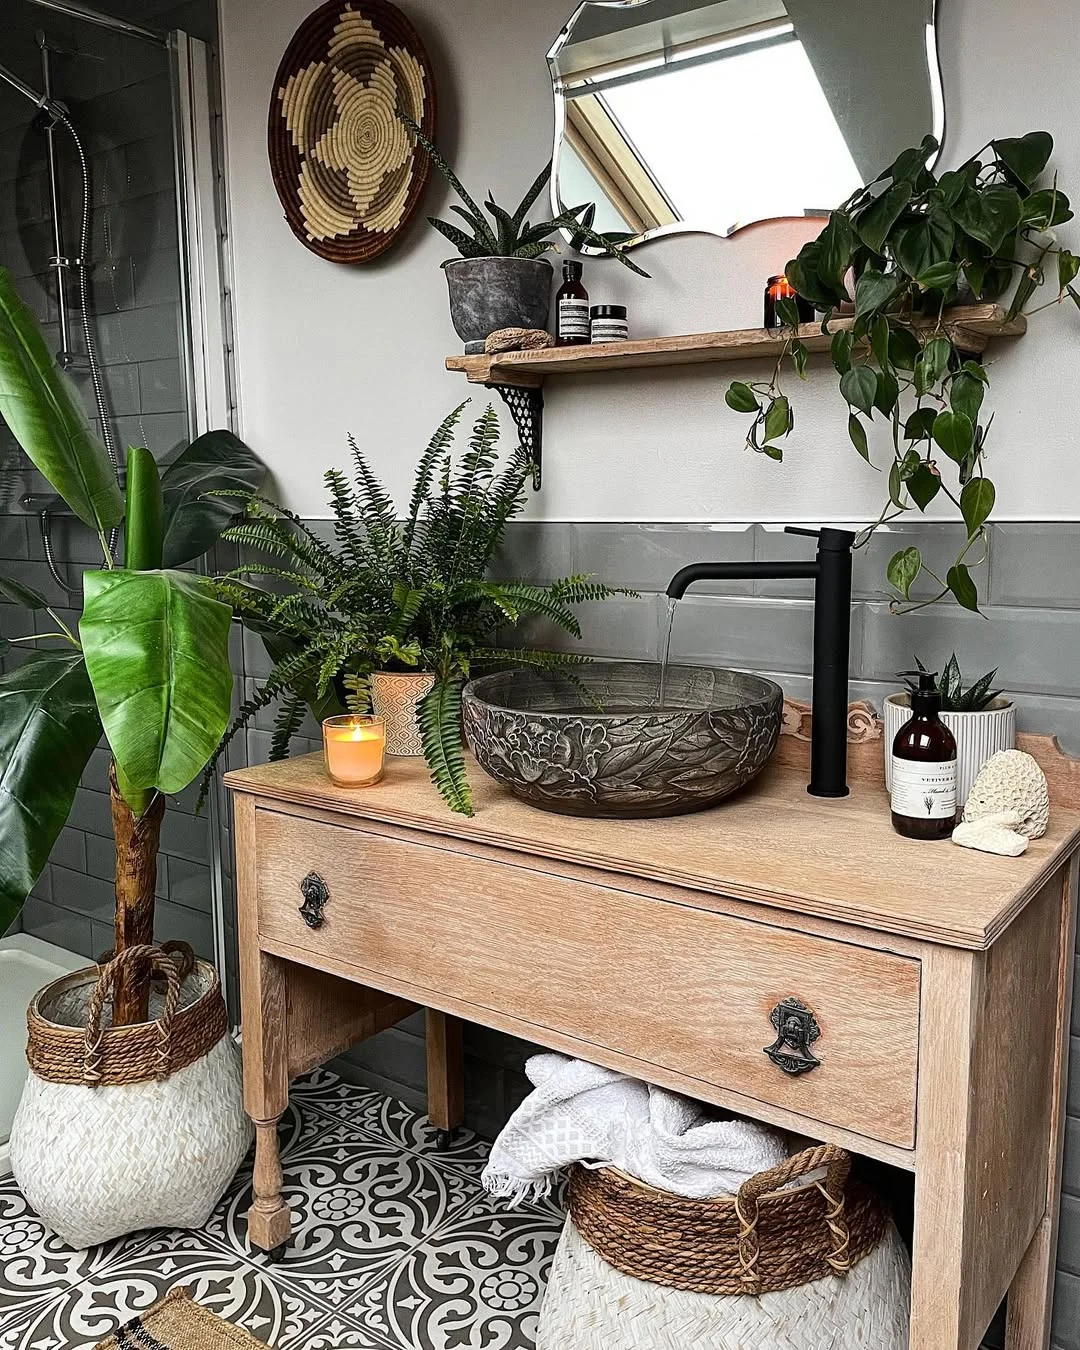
(437, 449)
(357, 693)
(539, 601)
(279, 573)
(439, 716)
(287, 724)
(582, 589)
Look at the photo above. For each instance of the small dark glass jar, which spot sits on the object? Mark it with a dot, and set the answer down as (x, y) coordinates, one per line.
(609, 323)
(779, 288)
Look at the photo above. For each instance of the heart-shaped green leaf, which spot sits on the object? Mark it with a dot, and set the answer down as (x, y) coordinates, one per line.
(857, 436)
(976, 503)
(873, 290)
(157, 650)
(888, 393)
(741, 398)
(925, 242)
(958, 579)
(1025, 156)
(903, 570)
(1045, 209)
(943, 276)
(873, 224)
(955, 433)
(904, 348)
(841, 350)
(48, 728)
(920, 425)
(1068, 268)
(778, 421)
(966, 394)
(859, 386)
(45, 415)
(923, 485)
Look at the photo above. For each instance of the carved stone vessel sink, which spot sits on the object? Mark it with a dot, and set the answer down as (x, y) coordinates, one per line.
(600, 744)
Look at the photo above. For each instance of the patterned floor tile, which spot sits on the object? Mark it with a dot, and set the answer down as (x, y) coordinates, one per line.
(391, 1120)
(359, 1205)
(233, 1288)
(335, 1333)
(35, 1266)
(476, 1282)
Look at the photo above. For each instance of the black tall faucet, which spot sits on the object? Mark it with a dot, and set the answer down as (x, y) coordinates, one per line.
(831, 573)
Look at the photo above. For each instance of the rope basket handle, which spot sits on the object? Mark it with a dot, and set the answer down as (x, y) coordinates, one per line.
(837, 1164)
(172, 963)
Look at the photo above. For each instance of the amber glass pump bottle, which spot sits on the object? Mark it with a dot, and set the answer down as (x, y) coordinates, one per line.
(924, 767)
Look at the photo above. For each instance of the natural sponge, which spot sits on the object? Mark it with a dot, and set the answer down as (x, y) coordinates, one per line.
(1011, 781)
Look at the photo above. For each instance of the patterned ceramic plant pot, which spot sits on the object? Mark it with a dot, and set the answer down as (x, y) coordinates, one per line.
(487, 294)
(396, 698)
(978, 736)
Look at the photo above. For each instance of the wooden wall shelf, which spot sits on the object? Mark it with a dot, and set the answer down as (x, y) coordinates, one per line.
(519, 376)
(974, 326)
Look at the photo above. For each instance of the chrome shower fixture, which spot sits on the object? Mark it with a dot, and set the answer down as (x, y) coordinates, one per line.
(51, 106)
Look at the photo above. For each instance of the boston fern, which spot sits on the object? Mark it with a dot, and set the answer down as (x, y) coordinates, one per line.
(510, 234)
(914, 243)
(392, 594)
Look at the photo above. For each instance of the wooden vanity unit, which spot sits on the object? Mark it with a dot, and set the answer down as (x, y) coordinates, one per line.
(790, 959)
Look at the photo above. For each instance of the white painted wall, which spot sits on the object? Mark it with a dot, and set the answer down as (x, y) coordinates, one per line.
(325, 349)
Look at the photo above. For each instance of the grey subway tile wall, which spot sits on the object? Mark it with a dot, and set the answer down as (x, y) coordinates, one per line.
(119, 92)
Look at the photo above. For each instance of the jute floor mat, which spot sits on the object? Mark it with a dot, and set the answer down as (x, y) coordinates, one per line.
(179, 1323)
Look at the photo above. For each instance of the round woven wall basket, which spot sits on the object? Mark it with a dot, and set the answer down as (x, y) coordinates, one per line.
(345, 166)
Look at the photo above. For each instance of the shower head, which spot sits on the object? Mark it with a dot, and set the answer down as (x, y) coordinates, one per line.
(51, 106)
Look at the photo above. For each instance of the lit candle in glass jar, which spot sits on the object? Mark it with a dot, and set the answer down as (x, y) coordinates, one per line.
(353, 748)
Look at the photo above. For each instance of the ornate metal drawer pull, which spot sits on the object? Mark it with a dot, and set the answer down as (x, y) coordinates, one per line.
(316, 895)
(796, 1032)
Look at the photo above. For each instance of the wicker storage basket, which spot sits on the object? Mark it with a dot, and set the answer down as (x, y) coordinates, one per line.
(811, 1266)
(121, 1128)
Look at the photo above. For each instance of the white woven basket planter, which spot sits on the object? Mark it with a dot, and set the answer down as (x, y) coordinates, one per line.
(136, 1143)
(396, 698)
(590, 1305)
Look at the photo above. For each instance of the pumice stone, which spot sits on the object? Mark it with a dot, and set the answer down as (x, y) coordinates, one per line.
(993, 834)
(1011, 781)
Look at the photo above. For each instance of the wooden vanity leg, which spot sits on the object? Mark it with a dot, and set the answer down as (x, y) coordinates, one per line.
(263, 1005)
(445, 1075)
(940, 1260)
(1031, 1294)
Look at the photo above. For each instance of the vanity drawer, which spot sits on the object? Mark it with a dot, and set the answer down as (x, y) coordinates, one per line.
(665, 983)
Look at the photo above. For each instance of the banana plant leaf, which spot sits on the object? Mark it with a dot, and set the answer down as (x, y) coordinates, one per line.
(48, 727)
(157, 650)
(215, 462)
(42, 407)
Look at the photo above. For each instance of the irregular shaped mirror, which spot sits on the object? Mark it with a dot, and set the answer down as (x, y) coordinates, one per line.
(709, 115)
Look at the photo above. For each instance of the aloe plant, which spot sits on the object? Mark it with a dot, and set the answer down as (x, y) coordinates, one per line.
(510, 234)
(149, 661)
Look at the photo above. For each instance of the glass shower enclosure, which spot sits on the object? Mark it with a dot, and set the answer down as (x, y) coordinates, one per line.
(109, 225)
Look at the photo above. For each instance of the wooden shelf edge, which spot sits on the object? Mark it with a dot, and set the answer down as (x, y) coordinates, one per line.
(974, 326)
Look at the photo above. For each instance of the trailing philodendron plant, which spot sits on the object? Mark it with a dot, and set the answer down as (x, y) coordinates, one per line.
(394, 594)
(511, 234)
(149, 661)
(904, 249)
(956, 696)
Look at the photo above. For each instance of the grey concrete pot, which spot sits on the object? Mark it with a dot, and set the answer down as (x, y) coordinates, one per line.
(487, 294)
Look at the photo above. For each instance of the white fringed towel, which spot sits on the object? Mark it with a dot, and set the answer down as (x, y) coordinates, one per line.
(582, 1113)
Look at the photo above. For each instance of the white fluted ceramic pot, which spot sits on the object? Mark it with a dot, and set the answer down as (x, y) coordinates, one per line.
(979, 735)
(397, 697)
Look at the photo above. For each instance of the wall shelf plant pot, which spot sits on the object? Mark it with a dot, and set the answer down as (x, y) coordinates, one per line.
(396, 697)
(487, 294)
(978, 736)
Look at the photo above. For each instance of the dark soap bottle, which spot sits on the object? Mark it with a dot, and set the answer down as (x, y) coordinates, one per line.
(572, 322)
(924, 767)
